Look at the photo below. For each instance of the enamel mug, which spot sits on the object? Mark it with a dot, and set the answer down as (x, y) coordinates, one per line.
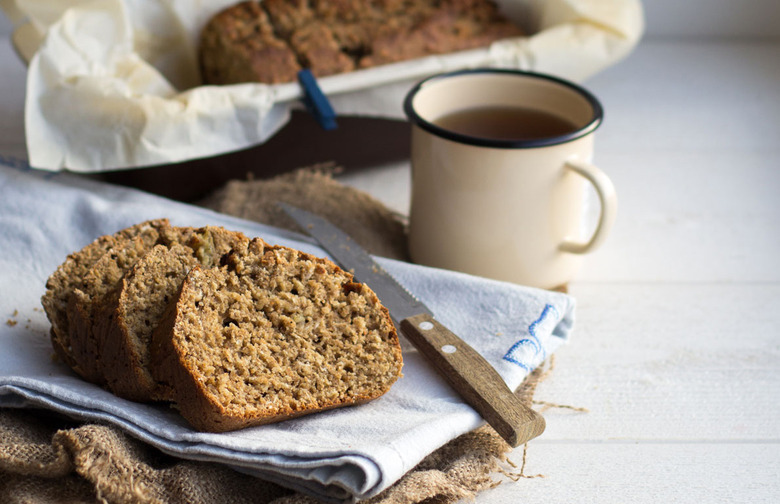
(511, 209)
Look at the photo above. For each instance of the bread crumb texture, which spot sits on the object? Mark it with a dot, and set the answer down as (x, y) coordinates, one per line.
(233, 331)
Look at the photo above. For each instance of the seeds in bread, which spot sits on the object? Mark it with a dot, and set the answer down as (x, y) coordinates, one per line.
(84, 304)
(128, 317)
(69, 276)
(274, 334)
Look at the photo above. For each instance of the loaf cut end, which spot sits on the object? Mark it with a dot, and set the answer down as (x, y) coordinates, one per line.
(125, 327)
(274, 334)
(73, 275)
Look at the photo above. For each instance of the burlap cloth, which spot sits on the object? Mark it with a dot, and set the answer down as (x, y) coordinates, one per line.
(46, 458)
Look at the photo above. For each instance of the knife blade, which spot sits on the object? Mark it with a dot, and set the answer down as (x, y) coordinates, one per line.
(472, 377)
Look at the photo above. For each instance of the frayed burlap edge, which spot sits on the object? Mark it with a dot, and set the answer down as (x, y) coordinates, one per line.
(373, 226)
(46, 459)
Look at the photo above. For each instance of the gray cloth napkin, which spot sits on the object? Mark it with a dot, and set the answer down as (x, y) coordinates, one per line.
(344, 454)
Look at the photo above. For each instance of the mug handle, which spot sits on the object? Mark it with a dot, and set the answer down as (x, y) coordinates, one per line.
(608, 200)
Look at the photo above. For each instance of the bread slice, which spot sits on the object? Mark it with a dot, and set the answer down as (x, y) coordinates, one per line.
(97, 284)
(70, 276)
(273, 334)
(79, 289)
(128, 316)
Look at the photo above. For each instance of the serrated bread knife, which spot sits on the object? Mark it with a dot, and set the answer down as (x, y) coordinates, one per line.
(477, 382)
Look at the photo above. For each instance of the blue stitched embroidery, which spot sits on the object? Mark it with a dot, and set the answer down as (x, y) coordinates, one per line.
(524, 353)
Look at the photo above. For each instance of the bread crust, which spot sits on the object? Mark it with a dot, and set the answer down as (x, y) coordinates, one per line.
(198, 398)
(239, 45)
(70, 277)
(314, 338)
(128, 315)
(270, 41)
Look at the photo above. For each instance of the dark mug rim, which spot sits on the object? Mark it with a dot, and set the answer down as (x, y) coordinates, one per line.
(589, 127)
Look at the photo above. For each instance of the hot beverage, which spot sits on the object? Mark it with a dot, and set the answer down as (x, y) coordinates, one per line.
(506, 123)
(500, 171)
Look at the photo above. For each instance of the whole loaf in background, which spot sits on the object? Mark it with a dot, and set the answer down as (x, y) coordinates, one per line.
(271, 40)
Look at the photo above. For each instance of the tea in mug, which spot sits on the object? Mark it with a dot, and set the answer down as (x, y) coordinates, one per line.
(506, 123)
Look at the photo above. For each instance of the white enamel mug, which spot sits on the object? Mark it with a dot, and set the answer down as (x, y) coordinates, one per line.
(511, 210)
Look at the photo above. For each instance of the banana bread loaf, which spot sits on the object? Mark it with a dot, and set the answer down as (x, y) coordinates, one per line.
(82, 295)
(271, 40)
(128, 316)
(71, 275)
(274, 334)
(85, 301)
(234, 331)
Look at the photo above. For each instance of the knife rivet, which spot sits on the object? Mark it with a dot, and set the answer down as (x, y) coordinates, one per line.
(426, 326)
(449, 349)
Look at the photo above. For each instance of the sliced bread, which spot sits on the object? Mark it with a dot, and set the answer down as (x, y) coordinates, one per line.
(273, 334)
(127, 317)
(72, 274)
(85, 302)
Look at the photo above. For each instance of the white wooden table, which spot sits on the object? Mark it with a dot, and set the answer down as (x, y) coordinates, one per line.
(676, 352)
(676, 349)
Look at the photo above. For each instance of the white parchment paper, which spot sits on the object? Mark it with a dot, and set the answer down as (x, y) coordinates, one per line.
(114, 83)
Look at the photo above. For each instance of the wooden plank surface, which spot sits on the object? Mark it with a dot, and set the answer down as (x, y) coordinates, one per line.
(643, 473)
(692, 142)
(676, 349)
(669, 362)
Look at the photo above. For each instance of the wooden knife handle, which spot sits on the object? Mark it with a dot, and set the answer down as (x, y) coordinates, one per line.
(474, 379)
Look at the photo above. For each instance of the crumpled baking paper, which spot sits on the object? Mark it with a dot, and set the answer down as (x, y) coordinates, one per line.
(114, 84)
